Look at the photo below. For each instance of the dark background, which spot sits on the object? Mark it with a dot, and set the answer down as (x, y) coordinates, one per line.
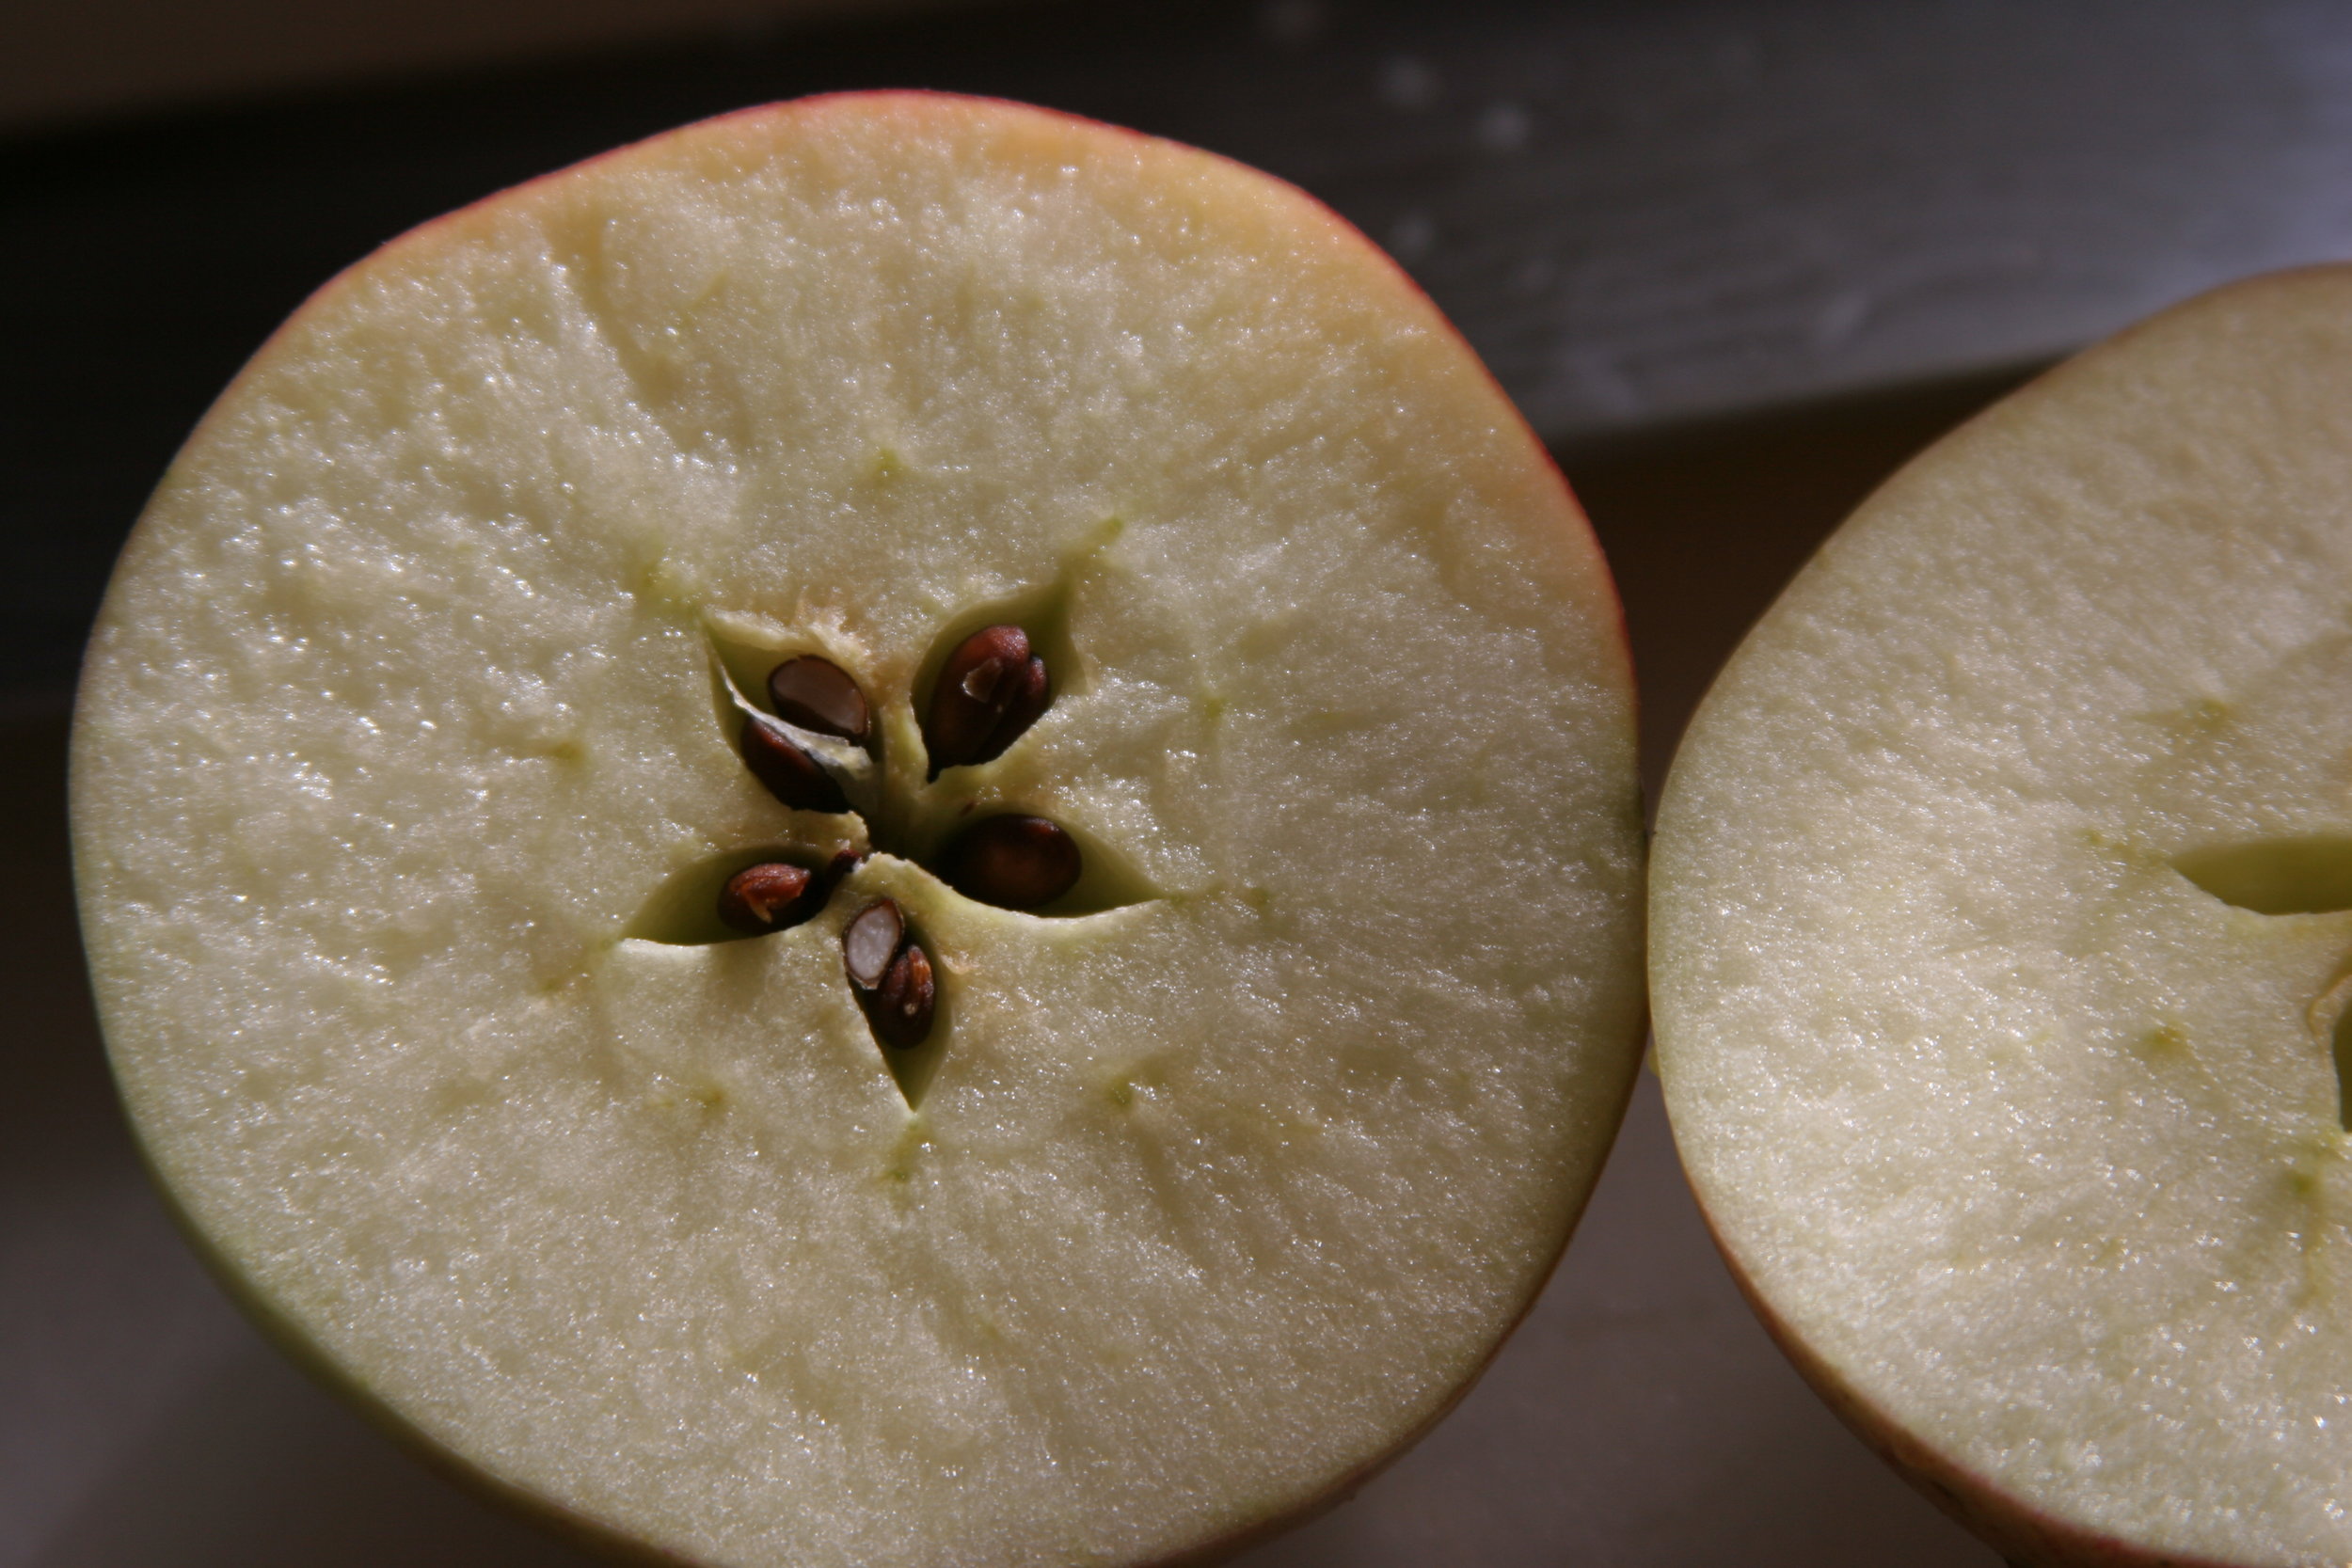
(1736, 261)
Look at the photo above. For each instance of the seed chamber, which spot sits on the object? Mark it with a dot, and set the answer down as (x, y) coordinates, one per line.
(2303, 875)
(896, 807)
(683, 911)
(2276, 876)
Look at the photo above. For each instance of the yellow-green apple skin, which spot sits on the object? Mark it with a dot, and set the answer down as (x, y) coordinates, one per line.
(2001, 944)
(406, 764)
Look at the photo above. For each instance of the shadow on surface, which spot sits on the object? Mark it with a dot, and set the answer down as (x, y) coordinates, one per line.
(257, 1468)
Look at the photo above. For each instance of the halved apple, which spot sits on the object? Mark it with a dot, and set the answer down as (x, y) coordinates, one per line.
(2002, 944)
(416, 816)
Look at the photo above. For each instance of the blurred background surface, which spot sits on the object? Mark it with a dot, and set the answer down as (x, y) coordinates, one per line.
(1736, 259)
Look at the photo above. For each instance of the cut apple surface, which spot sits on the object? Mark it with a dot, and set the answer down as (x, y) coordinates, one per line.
(2002, 950)
(559, 602)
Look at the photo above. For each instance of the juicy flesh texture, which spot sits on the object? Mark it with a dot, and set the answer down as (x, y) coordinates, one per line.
(401, 710)
(2034, 1141)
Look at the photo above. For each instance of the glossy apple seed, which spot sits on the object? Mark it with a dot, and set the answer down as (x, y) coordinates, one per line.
(891, 975)
(1032, 694)
(900, 1011)
(990, 691)
(817, 694)
(1015, 862)
(768, 896)
(791, 775)
(869, 942)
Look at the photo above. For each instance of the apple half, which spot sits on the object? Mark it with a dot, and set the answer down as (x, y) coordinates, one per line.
(2002, 950)
(415, 759)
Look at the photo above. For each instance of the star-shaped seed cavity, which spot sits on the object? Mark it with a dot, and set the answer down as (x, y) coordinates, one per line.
(815, 747)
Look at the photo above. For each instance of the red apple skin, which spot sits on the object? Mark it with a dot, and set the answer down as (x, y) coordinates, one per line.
(2024, 1535)
(595, 1535)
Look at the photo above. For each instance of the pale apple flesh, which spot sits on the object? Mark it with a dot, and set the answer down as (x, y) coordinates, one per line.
(408, 744)
(2001, 949)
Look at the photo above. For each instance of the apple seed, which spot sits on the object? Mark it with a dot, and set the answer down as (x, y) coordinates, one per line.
(1015, 862)
(791, 775)
(990, 691)
(900, 1011)
(770, 897)
(817, 694)
(869, 942)
(891, 975)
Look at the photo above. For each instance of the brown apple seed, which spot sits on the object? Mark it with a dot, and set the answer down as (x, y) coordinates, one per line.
(891, 975)
(990, 691)
(869, 942)
(1032, 693)
(817, 694)
(791, 775)
(1015, 862)
(770, 897)
(900, 1011)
